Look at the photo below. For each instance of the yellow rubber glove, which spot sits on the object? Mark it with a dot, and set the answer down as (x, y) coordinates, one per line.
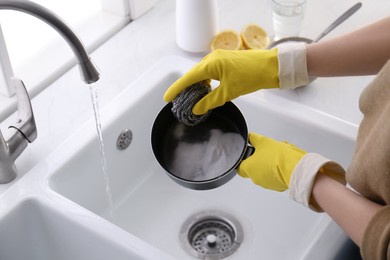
(272, 163)
(242, 72)
(239, 72)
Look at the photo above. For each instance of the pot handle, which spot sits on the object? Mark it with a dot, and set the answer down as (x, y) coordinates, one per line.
(248, 151)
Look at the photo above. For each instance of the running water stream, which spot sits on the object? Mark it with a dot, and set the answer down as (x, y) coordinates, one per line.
(95, 103)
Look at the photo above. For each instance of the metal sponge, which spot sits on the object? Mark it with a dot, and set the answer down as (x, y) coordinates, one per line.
(185, 101)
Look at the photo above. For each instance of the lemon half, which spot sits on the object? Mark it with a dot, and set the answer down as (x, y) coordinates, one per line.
(254, 37)
(226, 40)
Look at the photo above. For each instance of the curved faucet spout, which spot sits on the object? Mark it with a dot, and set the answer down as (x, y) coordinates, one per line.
(24, 130)
(89, 72)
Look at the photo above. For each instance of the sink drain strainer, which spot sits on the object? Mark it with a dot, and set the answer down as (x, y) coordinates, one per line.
(211, 235)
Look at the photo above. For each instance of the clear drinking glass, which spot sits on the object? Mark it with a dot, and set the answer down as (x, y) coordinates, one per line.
(287, 16)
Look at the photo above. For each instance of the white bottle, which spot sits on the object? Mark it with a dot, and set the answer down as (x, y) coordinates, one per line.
(196, 24)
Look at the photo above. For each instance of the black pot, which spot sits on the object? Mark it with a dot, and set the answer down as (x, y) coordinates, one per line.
(204, 156)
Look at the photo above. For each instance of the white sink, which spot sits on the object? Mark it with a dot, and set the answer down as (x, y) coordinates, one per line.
(150, 206)
(36, 229)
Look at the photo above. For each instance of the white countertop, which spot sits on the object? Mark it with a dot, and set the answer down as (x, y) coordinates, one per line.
(65, 106)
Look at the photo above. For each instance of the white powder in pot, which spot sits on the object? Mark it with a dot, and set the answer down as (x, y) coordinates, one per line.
(209, 159)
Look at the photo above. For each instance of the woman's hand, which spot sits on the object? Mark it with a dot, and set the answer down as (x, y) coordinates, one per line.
(239, 72)
(272, 163)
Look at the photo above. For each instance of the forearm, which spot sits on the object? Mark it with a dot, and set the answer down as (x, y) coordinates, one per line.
(348, 209)
(362, 52)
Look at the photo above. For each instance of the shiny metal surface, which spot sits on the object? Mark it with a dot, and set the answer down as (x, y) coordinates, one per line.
(24, 130)
(18, 136)
(211, 235)
(89, 72)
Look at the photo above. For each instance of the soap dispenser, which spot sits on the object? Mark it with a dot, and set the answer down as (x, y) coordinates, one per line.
(196, 24)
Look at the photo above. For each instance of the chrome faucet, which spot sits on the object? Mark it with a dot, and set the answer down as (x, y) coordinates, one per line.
(24, 131)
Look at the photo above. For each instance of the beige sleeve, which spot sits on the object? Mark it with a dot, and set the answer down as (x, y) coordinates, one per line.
(376, 238)
(292, 65)
(304, 174)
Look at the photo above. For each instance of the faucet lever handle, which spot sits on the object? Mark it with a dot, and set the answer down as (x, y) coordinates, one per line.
(26, 121)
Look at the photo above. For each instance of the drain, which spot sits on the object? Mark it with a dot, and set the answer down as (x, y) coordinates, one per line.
(124, 139)
(211, 235)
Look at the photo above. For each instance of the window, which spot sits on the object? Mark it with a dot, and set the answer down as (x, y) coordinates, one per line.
(37, 52)
(19, 28)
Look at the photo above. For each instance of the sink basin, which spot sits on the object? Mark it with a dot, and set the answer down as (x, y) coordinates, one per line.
(147, 204)
(35, 229)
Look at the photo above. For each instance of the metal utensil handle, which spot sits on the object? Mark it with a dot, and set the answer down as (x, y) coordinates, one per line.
(339, 20)
(26, 121)
(249, 150)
